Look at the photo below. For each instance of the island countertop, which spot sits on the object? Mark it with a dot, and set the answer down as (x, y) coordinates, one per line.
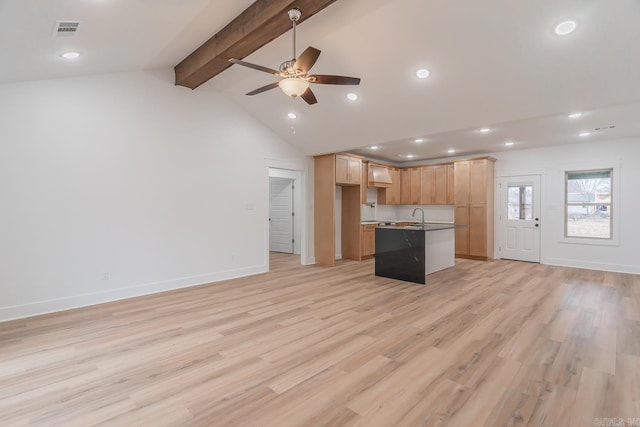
(427, 226)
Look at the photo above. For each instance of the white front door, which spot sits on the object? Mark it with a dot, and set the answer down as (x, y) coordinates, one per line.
(281, 215)
(520, 218)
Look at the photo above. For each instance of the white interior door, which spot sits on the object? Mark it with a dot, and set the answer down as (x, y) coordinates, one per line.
(520, 218)
(281, 215)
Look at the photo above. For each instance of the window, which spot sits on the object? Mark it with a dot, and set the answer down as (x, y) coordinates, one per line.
(588, 197)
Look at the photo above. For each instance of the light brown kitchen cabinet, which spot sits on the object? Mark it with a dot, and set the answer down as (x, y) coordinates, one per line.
(348, 170)
(461, 217)
(368, 240)
(478, 230)
(345, 171)
(461, 182)
(405, 186)
(363, 182)
(427, 181)
(415, 186)
(391, 195)
(474, 197)
(450, 184)
(440, 180)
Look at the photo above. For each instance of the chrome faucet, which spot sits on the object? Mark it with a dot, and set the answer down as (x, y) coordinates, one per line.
(414, 214)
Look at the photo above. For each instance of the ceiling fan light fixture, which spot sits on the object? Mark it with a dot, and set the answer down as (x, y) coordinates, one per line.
(293, 86)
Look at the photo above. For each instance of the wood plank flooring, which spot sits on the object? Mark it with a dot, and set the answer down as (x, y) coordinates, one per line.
(483, 343)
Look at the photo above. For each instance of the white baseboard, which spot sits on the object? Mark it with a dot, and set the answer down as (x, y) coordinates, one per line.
(309, 261)
(589, 265)
(84, 300)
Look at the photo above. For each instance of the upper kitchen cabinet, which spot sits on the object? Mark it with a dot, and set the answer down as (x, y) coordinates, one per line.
(348, 170)
(436, 183)
(405, 186)
(391, 195)
(410, 186)
(461, 182)
(427, 178)
(441, 184)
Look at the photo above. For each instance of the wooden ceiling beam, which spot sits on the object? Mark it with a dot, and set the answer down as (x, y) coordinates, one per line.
(256, 26)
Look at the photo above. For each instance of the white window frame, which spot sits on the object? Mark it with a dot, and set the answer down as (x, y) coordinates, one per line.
(615, 204)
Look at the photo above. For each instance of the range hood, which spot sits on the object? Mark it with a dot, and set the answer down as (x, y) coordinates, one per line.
(379, 176)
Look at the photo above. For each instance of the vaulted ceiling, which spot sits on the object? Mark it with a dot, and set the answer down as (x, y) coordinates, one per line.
(494, 63)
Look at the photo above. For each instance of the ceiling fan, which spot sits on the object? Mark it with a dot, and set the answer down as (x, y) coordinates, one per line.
(295, 73)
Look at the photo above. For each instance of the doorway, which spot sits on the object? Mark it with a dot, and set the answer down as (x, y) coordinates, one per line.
(281, 215)
(520, 218)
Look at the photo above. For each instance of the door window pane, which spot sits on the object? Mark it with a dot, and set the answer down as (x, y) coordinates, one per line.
(520, 202)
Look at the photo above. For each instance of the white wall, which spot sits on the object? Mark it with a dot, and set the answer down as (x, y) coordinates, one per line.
(120, 185)
(432, 213)
(551, 163)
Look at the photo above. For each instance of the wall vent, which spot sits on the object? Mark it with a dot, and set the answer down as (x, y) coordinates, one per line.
(603, 128)
(66, 28)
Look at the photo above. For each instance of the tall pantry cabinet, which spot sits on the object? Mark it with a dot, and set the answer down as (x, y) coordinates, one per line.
(474, 198)
(333, 170)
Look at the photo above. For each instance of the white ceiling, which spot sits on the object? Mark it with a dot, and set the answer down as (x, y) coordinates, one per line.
(494, 63)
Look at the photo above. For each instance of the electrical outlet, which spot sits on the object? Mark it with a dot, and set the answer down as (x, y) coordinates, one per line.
(233, 258)
(105, 276)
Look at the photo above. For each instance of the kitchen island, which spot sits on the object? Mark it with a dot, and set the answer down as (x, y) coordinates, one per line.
(411, 253)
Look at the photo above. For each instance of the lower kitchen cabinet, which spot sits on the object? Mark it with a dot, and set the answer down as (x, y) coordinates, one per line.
(368, 239)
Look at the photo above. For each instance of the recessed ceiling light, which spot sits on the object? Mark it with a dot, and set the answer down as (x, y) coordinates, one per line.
(418, 140)
(484, 130)
(374, 147)
(585, 134)
(575, 115)
(70, 55)
(451, 151)
(566, 27)
(352, 96)
(509, 143)
(423, 73)
(292, 116)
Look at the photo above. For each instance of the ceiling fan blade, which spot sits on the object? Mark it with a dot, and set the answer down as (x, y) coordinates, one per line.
(306, 60)
(255, 66)
(309, 97)
(263, 89)
(325, 79)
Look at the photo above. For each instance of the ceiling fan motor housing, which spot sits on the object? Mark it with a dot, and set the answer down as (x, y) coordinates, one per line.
(294, 14)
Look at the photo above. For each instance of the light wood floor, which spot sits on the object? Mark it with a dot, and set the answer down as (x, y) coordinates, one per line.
(499, 343)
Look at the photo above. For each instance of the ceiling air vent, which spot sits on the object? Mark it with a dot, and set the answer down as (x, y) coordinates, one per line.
(66, 28)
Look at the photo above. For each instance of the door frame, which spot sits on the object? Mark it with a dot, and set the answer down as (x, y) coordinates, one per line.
(296, 170)
(498, 221)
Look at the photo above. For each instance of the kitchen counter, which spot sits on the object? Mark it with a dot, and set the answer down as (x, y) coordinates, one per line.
(411, 253)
